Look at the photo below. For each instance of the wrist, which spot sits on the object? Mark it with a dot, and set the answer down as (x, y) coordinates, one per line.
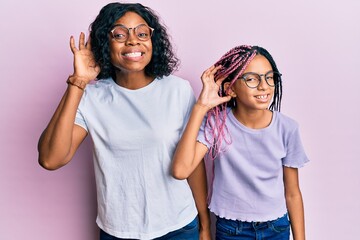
(204, 220)
(76, 81)
(202, 107)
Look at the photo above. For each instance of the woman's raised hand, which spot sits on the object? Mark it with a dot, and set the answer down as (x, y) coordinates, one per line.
(85, 65)
(209, 95)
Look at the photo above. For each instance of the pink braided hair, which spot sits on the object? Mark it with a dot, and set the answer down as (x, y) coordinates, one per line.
(234, 61)
(233, 65)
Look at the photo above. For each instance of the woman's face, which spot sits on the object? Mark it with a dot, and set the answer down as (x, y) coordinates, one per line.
(132, 55)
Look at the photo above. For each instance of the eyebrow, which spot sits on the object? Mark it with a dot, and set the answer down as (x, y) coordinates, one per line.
(258, 73)
(122, 25)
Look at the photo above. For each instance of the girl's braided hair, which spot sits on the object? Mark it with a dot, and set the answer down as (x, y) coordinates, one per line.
(233, 63)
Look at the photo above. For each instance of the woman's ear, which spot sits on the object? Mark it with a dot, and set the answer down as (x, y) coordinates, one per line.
(228, 90)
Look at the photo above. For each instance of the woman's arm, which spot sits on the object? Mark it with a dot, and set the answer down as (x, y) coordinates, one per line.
(62, 137)
(294, 203)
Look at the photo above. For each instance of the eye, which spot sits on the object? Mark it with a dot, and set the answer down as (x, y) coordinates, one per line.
(251, 78)
(143, 35)
(143, 32)
(119, 36)
(120, 33)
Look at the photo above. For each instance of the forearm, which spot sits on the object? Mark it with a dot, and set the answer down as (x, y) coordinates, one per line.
(198, 185)
(296, 215)
(55, 142)
(184, 161)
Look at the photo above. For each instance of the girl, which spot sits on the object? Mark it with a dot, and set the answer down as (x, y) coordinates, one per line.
(135, 114)
(252, 151)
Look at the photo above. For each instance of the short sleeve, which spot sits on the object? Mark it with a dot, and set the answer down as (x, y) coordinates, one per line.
(202, 136)
(190, 104)
(80, 121)
(295, 153)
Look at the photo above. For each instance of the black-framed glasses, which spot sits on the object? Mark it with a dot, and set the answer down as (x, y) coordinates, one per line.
(121, 33)
(253, 80)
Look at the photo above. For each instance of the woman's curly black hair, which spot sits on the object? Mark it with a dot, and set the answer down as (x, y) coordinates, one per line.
(163, 61)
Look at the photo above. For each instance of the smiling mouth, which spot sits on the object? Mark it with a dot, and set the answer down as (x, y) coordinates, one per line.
(261, 96)
(133, 54)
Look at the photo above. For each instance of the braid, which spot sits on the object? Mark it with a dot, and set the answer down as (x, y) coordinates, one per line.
(276, 103)
(232, 60)
(234, 63)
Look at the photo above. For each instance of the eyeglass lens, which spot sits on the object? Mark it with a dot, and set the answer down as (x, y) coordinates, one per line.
(142, 32)
(253, 80)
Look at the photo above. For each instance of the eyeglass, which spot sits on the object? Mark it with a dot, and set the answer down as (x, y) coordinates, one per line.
(121, 33)
(253, 80)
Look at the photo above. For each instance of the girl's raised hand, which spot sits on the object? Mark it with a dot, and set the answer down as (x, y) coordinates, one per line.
(85, 65)
(209, 95)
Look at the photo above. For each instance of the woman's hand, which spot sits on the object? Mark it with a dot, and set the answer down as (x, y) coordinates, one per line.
(85, 66)
(209, 96)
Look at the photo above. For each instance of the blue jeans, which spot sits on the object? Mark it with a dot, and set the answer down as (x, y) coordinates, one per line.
(189, 232)
(278, 229)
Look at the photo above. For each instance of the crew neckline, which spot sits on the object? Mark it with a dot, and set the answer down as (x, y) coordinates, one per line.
(252, 130)
(142, 89)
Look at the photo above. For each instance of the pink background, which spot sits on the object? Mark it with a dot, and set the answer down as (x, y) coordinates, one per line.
(315, 44)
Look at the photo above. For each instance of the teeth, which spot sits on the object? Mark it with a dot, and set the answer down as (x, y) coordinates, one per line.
(133, 54)
(261, 97)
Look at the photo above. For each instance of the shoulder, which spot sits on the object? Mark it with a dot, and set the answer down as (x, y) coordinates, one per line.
(97, 89)
(285, 121)
(175, 81)
(175, 87)
(98, 84)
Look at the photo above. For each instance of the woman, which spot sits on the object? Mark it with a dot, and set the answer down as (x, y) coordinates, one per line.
(135, 113)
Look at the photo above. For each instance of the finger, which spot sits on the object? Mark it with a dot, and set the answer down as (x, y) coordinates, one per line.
(82, 41)
(206, 72)
(211, 68)
(209, 73)
(220, 80)
(72, 44)
(88, 43)
(225, 99)
(215, 69)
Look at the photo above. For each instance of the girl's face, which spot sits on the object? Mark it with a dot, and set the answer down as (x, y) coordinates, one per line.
(257, 98)
(132, 55)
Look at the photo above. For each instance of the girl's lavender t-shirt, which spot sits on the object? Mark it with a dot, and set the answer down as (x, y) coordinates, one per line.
(248, 177)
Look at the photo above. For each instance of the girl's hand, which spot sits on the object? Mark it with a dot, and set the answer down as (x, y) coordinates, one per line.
(209, 96)
(84, 61)
(205, 234)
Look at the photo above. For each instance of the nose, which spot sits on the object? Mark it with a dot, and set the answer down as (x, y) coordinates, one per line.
(132, 38)
(263, 84)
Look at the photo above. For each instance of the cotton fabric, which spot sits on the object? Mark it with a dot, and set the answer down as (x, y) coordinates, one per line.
(134, 134)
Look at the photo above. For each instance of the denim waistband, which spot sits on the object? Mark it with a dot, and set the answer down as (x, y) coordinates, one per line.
(246, 224)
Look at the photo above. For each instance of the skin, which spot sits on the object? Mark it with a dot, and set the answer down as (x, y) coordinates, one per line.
(61, 138)
(252, 111)
(130, 70)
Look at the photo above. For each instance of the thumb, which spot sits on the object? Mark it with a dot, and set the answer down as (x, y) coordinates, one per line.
(225, 99)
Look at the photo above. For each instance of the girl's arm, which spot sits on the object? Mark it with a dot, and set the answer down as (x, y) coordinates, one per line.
(189, 152)
(294, 203)
(62, 137)
(198, 185)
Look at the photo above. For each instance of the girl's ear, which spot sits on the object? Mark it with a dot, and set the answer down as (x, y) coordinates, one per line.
(229, 91)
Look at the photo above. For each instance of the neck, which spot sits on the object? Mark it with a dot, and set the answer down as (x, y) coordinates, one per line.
(255, 119)
(134, 80)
